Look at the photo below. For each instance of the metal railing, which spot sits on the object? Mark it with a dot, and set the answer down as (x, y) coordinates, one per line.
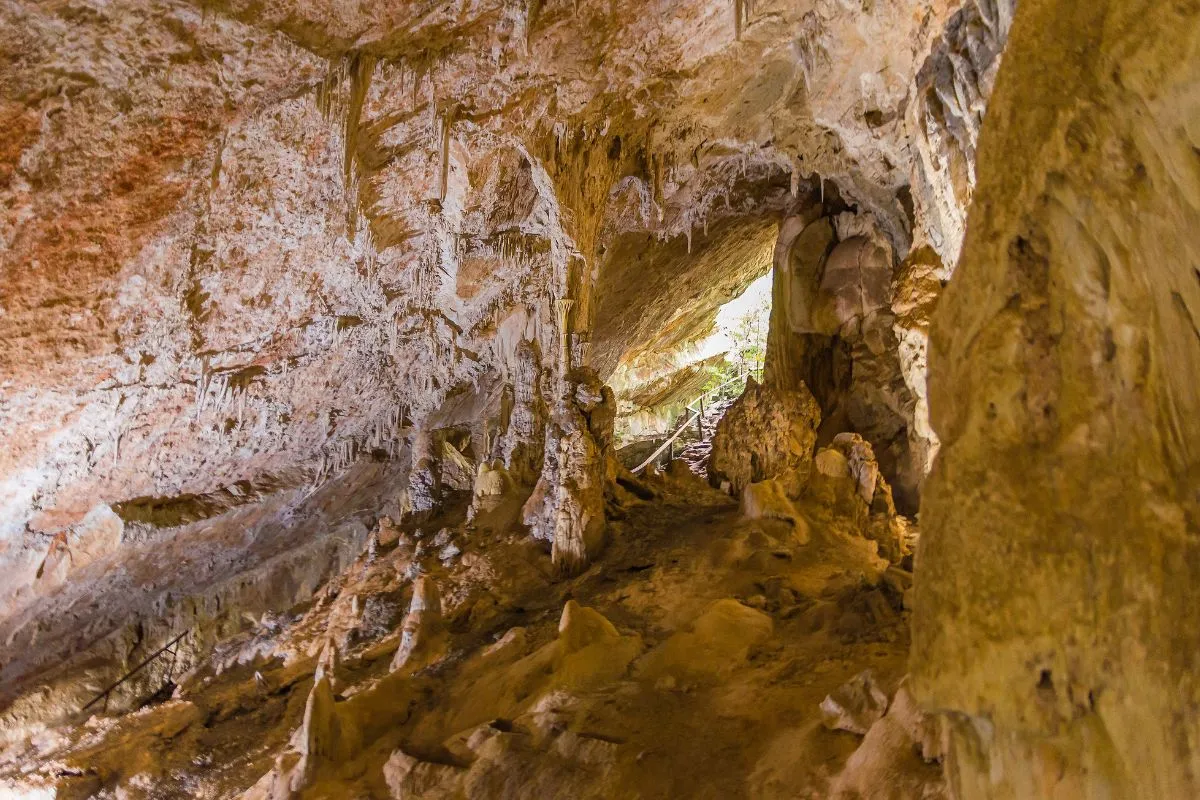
(696, 407)
(172, 646)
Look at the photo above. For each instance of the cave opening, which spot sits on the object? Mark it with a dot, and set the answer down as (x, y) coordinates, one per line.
(681, 394)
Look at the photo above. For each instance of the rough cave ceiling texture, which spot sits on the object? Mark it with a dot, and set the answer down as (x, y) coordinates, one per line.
(240, 237)
(269, 271)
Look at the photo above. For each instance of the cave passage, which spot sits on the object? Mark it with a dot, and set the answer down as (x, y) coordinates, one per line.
(640, 398)
(682, 395)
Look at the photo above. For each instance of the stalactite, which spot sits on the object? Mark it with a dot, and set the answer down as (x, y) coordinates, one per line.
(340, 98)
(446, 125)
(562, 308)
(533, 8)
(360, 69)
(202, 386)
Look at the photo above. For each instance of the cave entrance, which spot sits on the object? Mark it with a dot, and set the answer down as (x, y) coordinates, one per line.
(740, 332)
(670, 402)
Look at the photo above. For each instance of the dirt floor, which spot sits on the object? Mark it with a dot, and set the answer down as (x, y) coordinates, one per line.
(690, 661)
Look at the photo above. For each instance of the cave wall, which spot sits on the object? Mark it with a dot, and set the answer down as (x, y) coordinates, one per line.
(246, 241)
(1055, 580)
(268, 246)
(836, 330)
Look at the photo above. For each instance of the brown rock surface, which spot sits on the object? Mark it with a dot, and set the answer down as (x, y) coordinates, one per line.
(1055, 580)
(767, 433)
(308, 483)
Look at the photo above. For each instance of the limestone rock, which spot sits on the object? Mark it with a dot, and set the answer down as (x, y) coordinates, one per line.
(767, 433)
(590, 650)
(327, 737)
(857, 280)
(1045, 399)
(458, 471)
(261, 264)
(856, 706)
(491, 481)
(769, 500)
(860, 459)
(409, 778)
(713, 644)
(893, 758)
(423, 636)
(847, 482)
(424, 479)
(567, 506)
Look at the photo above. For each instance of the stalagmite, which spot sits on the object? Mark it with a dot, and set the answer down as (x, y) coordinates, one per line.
(562, 310)
(422, 638)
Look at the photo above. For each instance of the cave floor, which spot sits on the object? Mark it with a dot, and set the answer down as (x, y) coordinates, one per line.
(723, 636)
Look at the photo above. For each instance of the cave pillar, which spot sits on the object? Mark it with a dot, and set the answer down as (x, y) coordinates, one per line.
(793, 355)
(1055, 586)
(567, 507)
(833, 332)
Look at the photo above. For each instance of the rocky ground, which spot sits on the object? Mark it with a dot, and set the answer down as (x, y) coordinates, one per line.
(705, 655)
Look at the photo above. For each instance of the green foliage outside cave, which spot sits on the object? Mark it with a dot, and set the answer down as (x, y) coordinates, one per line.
(748, 335)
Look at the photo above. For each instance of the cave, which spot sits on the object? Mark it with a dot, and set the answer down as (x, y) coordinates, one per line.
(365, 435)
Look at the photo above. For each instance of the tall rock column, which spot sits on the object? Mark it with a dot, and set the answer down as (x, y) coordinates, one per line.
(1056, 576)
(567, 505)
(832, 330)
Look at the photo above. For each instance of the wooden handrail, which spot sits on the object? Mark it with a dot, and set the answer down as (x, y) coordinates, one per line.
(104, 695)
(695, 416)
(740, 376)
(667, 443)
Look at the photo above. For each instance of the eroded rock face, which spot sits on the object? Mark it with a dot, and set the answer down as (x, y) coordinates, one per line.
(269, 272)
(329, 227)
(835, 329)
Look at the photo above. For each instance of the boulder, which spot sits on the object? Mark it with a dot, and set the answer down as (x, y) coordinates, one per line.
(769, 500)
(713, 645)
(767, 433)
(856, 705)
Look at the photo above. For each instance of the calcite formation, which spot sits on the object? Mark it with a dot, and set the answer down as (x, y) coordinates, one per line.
(323, 325)
(1062, 384)
(767, 433)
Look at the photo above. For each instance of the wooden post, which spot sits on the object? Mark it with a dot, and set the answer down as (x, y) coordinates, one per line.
(700, 419)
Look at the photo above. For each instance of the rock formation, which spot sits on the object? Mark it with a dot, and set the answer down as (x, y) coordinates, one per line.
(318, 320)
(767, 433)
(1062, 385)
